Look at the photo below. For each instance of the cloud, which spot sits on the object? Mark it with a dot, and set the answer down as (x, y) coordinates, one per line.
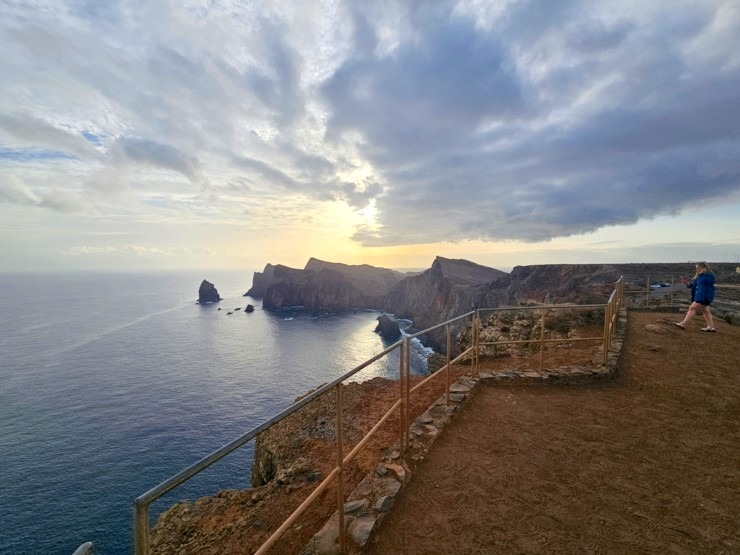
(62, 201)
(160, 155)
(432, 92)
(266, 172)
(35, 131)
(537, 125)
(456, 121)
(14, 191)
(119, 250)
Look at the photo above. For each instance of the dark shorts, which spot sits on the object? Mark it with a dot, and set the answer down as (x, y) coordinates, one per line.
(705, 303)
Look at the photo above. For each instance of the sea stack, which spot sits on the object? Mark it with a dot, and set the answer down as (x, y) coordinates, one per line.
(208, 293)
(388, 328)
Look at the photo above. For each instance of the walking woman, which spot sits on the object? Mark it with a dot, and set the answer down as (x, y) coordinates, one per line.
(702, 295)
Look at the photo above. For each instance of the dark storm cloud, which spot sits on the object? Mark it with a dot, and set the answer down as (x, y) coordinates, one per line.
(431, 93)
(551, 120)
(458, 120)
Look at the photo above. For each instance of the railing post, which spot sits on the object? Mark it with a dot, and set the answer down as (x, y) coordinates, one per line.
(407, 393)
(476, 347)
(447, 366)
(340, 465)
(141, 528)
(542, 338)
(472, 346)
(607, 330)
(402, 408)
(647, 293)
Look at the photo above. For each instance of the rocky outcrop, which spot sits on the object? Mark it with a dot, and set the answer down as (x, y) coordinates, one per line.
(327, 285)
(558, 283)
(207, 293)
(260, 281)
(301, 435)
(448, 289)
(388, 328)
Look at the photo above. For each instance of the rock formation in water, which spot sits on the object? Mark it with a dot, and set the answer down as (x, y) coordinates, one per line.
(388, 328)
(207, 293)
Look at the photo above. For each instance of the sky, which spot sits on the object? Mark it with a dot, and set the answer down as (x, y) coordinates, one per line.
(145, 135)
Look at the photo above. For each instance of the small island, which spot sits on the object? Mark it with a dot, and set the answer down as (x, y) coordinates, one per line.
(207, 293)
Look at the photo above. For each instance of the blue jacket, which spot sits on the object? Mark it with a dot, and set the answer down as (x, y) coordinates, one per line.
(702, 288)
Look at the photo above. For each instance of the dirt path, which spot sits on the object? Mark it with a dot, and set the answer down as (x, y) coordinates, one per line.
(648, 463)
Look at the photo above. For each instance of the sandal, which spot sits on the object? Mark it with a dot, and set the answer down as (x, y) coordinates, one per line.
(679, 325)
(708, 329)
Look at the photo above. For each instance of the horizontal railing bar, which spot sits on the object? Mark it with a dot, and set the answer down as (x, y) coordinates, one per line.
(438, 372)
(520, 341)
(370, 434)
(217, 455)
(459, 357)
(543, 307)
(422, 332)
(426, 380)
(298, 512)
(324, 484)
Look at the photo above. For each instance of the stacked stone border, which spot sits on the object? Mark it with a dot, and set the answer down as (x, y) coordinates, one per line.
(373, 497)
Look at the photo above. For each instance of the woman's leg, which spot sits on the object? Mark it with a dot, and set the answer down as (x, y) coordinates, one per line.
(690, 312)
(707, 316)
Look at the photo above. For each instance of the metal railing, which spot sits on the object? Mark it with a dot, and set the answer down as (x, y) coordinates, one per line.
(142, 503)
(652, 289)
(611, 312)
(444, 371)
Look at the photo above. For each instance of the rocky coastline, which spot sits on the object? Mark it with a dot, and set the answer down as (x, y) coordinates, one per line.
(293, 456)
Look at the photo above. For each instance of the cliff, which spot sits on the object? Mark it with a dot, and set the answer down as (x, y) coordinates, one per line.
(260, 281)
(448, 289)
(554, 283)
(327, 285)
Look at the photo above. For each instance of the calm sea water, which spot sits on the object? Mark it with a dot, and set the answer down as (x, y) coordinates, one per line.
(111, 383)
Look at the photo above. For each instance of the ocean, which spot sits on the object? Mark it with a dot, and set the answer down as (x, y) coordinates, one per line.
(111, 383)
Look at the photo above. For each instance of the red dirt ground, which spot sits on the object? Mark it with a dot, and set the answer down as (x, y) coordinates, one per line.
(646, 463)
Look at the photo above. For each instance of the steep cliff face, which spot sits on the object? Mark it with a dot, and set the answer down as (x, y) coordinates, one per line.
(555, 283)
(260, 281)
(372, 281)
(448, 289)
(329, 285)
